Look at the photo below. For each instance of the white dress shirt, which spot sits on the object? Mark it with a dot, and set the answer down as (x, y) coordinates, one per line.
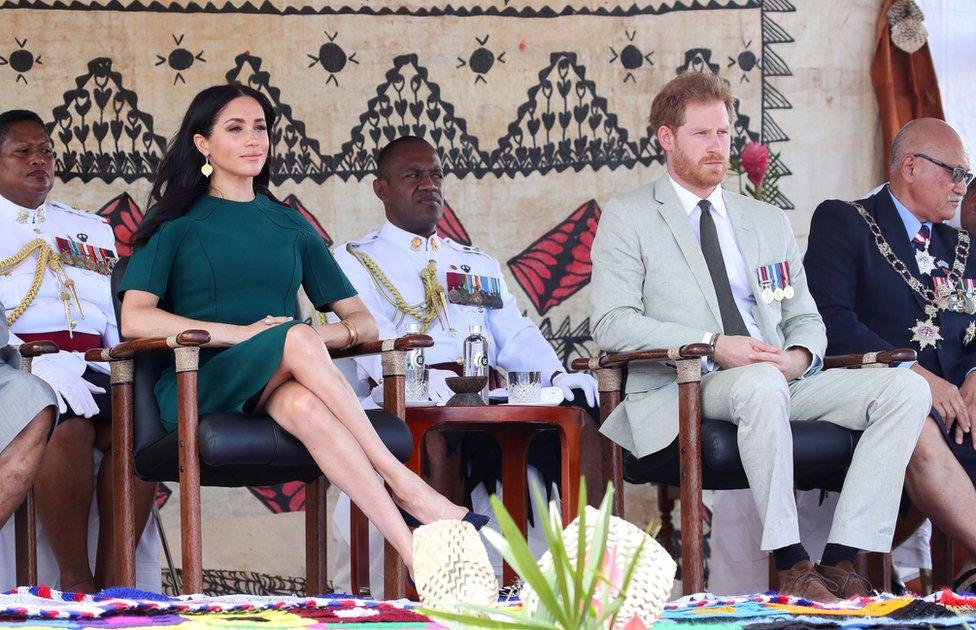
(735, 264)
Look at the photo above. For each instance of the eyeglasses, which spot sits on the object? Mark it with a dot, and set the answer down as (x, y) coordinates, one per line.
(959, 174)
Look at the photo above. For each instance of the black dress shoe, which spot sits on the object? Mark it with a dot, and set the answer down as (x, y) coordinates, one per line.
(478, 520)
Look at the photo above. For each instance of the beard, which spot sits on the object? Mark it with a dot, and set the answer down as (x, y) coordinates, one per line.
(698, 174)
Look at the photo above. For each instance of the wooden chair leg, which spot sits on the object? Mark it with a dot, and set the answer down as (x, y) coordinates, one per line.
(876, 567)
(665, 506)
(316, 538)
(941, 548)
(394, 573)
(608, 380)
(773, 574)
(123, 474)
(689, 441)
(189, 447)
(569, 482)
(358, 551)
(25, 534)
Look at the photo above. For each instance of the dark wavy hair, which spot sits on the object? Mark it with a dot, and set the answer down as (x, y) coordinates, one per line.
(179, 183)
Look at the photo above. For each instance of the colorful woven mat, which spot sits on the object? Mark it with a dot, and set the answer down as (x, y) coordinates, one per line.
(772, 610)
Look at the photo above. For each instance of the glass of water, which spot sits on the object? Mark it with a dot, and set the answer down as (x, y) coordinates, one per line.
(524, 387)
(417, 383)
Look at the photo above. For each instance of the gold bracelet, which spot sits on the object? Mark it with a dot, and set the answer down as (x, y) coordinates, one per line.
(353, 333)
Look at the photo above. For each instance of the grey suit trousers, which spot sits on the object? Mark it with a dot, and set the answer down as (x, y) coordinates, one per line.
(888, 405)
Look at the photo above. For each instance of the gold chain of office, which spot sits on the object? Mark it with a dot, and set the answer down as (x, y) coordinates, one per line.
(424, 312)
(46, 259)
(930, 296)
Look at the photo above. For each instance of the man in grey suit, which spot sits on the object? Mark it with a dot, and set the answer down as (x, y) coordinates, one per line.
(28, 409)
(681, 261)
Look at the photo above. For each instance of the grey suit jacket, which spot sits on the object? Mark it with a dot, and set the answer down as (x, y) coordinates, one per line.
(8, 355)
(651, 289)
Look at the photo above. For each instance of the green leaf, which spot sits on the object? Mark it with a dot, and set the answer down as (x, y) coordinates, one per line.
(518, 554)
(517, 620)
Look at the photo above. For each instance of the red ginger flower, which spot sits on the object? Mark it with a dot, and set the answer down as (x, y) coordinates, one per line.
(754, 158)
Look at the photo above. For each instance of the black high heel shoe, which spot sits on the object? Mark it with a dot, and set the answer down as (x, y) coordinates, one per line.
(478, 520)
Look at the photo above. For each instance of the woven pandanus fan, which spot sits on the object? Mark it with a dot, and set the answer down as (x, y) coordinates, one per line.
(650, 586)
(451, 567)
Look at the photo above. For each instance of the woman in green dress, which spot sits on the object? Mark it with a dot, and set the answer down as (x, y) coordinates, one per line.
(217, 252)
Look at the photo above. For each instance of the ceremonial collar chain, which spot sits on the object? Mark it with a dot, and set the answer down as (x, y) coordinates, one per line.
(925, 332)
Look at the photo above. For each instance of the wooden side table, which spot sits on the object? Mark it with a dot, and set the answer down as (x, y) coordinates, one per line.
(513, 426)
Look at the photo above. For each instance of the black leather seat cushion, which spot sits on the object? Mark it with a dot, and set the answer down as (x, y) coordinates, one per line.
(821, 454)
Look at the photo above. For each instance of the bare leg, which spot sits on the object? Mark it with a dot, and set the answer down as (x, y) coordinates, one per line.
(341, 459)
(143, 494)
(306, 360)
(941, 489)
(20, 461)
(63, 491)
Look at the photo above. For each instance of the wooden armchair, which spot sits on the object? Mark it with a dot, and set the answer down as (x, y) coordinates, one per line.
(705, 454)
(225, 449)
(25, 519)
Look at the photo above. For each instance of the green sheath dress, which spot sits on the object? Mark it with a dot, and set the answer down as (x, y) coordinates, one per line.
(234, 262)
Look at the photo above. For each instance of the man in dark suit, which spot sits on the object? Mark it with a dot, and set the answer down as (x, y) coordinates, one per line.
(887, 272)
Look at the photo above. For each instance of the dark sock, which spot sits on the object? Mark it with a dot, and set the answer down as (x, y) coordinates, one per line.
(786, 557)
(834, 554)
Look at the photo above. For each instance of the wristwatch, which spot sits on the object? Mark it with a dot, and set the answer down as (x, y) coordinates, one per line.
(712, 341)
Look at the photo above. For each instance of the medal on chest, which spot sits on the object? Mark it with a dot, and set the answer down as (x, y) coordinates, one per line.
(970, 334)
(926, 333)
(925, 261)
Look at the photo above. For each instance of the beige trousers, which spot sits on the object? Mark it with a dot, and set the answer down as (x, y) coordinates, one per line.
(888, 405)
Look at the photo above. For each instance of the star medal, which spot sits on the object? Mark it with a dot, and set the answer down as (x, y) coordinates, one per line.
(926, 262)
(926, 333)
(970, 334)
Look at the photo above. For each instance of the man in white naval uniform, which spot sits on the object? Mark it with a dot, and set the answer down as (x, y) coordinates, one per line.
(55, 266)
(388, 269)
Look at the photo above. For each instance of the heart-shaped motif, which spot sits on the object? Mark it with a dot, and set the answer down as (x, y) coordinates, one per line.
(102, 97)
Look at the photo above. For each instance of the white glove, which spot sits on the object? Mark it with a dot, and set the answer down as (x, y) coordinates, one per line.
(437, 388)
(577, 380)
(62, 371)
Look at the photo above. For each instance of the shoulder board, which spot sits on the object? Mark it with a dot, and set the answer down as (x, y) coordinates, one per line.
(75, 211)
(471, 249)
(369, 238)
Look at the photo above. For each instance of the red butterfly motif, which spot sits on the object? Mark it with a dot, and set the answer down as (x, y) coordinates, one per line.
(450, 227)
(283, 497)
(124, 215)
(558, 265)
(296, 203)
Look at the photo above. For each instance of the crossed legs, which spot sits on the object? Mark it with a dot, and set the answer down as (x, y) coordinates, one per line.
(309, 397)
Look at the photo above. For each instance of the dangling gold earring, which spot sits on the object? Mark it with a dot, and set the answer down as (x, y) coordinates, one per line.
(206, 169)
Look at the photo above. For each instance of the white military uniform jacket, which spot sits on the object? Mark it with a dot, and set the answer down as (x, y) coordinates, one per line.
(514, 341)
(61, 227)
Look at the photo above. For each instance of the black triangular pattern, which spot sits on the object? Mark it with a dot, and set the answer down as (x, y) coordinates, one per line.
(774, 99)
(773, 65)
(778, 6)
(776, 166)
(408, 103)
(294, 155)
(563, 125)
(100, 132)
(773, 33)
(316, 7)
(568, 342)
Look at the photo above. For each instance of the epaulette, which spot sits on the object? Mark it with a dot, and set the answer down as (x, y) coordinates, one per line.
(470, 249)
(369, 238)
(80, 213)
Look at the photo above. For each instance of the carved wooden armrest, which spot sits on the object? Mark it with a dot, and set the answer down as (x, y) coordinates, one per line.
(689, 351)
(883, 359)
(128, 349)
(400, 344)
(31, 349)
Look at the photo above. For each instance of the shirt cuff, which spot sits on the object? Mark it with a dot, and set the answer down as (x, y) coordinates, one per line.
(815, 366)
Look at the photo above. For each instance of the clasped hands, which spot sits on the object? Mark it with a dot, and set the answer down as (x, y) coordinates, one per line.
(732, 351)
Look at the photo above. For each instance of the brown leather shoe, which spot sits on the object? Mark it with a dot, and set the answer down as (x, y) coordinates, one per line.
(802, 580)
(848, 582)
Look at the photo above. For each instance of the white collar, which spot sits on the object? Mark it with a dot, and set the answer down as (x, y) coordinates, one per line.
(9, 206)
(409, 240)
(689, 200)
